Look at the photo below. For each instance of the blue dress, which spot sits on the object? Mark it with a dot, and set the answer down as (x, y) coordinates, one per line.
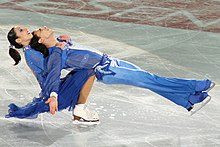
(68, 88)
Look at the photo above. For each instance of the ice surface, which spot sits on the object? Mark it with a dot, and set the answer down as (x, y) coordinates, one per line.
(129, 116)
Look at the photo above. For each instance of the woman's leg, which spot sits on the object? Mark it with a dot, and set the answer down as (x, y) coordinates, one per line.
(80, 110)
(84, 93)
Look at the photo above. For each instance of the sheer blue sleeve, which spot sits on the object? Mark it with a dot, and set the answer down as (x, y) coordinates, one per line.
(70, 43)
(54, 67)
(35, 62)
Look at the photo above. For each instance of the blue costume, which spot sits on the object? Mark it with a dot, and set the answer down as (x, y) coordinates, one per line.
(84, 63)
(68, 87)
(115, 71)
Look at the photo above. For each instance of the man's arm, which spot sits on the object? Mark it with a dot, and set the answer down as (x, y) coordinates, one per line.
(65, 38)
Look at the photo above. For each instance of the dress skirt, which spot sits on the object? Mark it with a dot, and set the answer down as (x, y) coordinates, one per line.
(69, 91)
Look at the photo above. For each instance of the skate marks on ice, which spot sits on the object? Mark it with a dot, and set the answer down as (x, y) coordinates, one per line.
(129, 116)
(44, 131)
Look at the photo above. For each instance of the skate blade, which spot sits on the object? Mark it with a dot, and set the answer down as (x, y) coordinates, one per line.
(199, 106)
(87, 123)
(212, 86)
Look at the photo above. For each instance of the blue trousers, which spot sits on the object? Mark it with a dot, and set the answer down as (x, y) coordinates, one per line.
(183, 92)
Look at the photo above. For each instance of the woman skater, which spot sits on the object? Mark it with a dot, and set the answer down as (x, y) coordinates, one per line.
(72, 91)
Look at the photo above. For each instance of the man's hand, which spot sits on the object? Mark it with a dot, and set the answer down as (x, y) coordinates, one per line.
(61, 45)
(65, 37)
(53, 103)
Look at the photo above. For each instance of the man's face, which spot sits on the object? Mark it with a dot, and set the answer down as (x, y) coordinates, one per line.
(23, 34)
(44, 32)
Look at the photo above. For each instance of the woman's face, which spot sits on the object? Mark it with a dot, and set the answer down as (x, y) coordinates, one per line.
(23, 34)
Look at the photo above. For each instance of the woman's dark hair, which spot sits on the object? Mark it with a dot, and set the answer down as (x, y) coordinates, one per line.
(38, 46)
(13, 52)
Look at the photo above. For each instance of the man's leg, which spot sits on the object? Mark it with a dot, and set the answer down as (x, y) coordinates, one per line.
(174, 89)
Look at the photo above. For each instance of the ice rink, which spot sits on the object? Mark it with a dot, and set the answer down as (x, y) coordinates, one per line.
(173, 39)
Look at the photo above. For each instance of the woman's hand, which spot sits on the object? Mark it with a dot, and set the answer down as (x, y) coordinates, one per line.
(65, 37)
(61, 45)
(53, 103)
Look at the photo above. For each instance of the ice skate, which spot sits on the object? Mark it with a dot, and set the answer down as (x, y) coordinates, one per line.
(198, 106)
(211, 86)
(82, 115)
(84, 122)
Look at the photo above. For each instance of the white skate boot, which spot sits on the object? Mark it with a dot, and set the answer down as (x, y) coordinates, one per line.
(211, 86)
(198, 106)
(82, 115)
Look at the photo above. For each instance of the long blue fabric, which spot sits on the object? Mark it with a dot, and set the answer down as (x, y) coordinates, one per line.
(68, 97)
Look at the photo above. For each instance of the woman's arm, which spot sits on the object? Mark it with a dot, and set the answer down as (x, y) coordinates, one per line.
(35, 62)
(48, 77)
(52, 82)
(54, 67)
